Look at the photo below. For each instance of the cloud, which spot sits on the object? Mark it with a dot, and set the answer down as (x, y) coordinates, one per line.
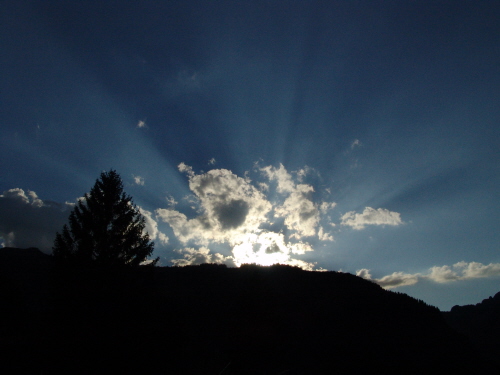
(364, 273)
(300, 213)
(186, 169)
(202, 255)
(355, 143)
(397, 279)
(28, 221)
(324, 236)
(303, 172)
(270, 248)
(152, 227)
(371, 216)
(441, 274)
(324, 207)
(141, 124)
(139, 180)
(212, 161)
(281, 176)
(230, 208)
(464, 271)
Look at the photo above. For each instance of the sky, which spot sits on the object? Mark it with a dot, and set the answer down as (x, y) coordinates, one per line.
(353, 136)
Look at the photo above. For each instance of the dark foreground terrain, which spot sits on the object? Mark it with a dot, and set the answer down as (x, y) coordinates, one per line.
(211, 319)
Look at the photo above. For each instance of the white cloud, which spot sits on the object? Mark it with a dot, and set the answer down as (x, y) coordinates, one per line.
(230, 208)
(324, 207)
(186, 169)
(441, 274)
(464, 271)
(192, 256)
(371, 216)
(212, 161)
(324, 236)
(397, 279)
(301, 173)
(270, 248)
(139, 180)
(152, 227)
(171, 201)
(281, 176)
(141, 124)
(300, 213)
(364, 273)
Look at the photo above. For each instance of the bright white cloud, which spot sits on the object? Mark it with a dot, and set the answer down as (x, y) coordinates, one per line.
(152, 227)
(364, 273)
(202, 255)
(281, 176)
(371, 216)
(186, 169)
(231, 208)
(271, 248)
(139, 180)
(300, 213)
(464, 271)
(441, 274)
(141, 124)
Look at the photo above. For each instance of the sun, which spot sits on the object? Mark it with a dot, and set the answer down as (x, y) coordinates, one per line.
(264, 249)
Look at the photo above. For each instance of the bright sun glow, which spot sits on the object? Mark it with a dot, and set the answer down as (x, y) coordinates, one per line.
(267, 249)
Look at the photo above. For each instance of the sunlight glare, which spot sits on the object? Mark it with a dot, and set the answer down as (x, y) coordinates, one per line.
(265, 249)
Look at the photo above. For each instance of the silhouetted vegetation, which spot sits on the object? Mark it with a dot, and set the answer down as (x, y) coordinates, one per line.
(480, 322)
(105, 228)
(211, 319)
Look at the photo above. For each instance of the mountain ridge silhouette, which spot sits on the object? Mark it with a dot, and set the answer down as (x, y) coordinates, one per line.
(211, 319)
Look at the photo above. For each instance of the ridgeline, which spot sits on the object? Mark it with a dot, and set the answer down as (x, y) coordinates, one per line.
(211, 319)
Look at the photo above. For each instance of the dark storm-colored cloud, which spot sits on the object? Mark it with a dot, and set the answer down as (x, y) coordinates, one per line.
(28, 221)
(232, 214)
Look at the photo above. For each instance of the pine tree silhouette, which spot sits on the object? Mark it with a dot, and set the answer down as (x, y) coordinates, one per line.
(105, 228)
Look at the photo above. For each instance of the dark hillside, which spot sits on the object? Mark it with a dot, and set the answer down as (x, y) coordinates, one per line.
(211, 319)
(480, 322)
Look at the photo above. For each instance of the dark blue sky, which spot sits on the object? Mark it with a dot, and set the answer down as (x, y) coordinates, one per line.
(352, 135)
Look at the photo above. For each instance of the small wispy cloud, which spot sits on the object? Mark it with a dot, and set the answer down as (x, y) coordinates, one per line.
(212, 161)
(141, 124)
(139, 180)
(356, 143)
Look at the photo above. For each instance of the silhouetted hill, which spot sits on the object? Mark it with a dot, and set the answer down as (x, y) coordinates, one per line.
(480, 322)
(212, 319)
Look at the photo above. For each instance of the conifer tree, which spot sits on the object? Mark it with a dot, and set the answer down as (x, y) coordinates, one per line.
(105, 228)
